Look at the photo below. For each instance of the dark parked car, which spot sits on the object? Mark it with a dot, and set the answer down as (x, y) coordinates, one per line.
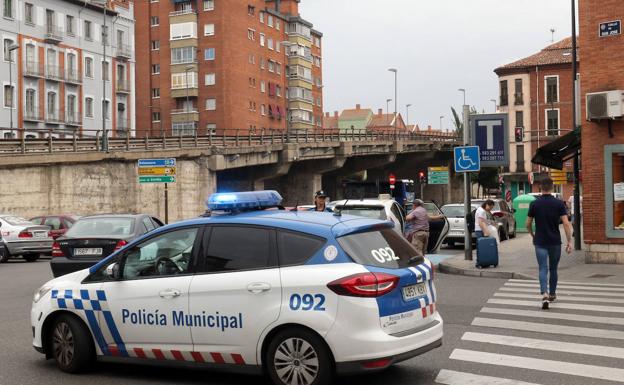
(58, 224)
(95, 237)
(504, 215)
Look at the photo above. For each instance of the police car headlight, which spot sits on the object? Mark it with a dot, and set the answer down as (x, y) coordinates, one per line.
(41, 292)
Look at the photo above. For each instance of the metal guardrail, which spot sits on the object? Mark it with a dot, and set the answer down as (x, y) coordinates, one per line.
(24, 141)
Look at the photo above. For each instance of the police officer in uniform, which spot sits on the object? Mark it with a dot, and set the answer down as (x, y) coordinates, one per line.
(320, 202)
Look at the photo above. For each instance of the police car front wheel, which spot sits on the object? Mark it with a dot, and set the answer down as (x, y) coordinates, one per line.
(71, 345)
(298, 357)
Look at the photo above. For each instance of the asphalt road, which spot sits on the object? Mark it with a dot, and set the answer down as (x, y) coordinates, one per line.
(461, 300)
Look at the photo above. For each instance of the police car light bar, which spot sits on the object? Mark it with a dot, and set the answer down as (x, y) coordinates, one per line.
(238, 201)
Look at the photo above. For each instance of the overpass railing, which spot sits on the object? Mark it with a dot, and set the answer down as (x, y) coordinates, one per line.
(25, 141)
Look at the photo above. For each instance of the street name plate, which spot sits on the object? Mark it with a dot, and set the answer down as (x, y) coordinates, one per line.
(157, 171)
(157, 179)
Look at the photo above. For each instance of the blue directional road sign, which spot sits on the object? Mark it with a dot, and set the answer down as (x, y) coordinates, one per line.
(490, 133)
(168, 162)
(467, 159)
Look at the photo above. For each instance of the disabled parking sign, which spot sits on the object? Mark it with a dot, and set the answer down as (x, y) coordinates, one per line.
(467, 159)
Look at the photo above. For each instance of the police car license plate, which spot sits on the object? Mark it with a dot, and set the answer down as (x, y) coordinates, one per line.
(88, 251)
(413, 292)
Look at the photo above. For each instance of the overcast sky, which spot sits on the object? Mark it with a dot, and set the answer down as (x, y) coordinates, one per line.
(437, 45)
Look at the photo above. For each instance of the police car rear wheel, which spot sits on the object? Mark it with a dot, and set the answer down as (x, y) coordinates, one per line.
(70, 344)
(298, 357)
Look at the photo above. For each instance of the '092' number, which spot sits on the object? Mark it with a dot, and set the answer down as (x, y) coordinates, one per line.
(307, 302)
(385, 254)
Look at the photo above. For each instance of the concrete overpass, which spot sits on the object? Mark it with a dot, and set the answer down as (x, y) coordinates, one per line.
(73, 175)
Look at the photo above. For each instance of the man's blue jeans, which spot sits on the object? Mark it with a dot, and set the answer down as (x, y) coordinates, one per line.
(548, 261)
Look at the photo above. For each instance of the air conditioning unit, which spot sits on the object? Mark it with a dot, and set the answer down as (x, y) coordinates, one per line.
(605, 105)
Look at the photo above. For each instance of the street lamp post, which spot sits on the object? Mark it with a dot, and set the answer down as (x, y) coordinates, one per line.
(396, 97)
(12, 48)
(495, 106)
(441, 117)
(463, 91)
(407, 106)
(106, 67)
(467, 187)
(387, 107)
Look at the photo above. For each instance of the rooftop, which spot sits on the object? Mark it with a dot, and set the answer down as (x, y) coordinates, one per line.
(556, 53)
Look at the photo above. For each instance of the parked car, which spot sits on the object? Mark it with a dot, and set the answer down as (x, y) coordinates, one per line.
(95, 237)
(389, 209)
(455, 214)
(24, 238)
(504, 216)
(58, 224)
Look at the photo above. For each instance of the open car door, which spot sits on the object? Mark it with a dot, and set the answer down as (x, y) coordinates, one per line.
(438, 229)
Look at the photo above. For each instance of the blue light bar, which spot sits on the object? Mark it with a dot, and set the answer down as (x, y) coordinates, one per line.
(243, 200)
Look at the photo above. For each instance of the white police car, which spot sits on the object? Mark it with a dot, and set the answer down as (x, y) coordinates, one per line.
(298, 295)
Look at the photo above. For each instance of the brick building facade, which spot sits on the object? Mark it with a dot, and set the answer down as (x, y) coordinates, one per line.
(214, 65)
(602, 155)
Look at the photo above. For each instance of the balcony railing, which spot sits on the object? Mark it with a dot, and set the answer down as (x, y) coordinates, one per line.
(32, 69)
(31, 114)
(53, 34)
(72, 76)
(519, 99)
(504, 100)
(520, 166)
(295, 54)
(54, 73)
(124, 51)
(186, 11)
(54, 117)
(123, 87)
(73, 118)
(181, 111)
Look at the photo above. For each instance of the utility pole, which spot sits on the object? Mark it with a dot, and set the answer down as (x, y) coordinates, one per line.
(104, 77)
(575, 99)
(467, 190)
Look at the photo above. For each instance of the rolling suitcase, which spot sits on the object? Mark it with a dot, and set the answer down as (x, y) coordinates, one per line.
(487, 252)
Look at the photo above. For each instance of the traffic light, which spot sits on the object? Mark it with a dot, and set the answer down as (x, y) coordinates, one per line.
(518, 134)
(421, 176)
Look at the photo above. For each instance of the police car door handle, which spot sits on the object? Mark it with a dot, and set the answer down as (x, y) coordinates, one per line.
(258, 287)
(169, 293)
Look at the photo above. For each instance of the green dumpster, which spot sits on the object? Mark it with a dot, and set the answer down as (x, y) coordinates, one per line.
(521, 205)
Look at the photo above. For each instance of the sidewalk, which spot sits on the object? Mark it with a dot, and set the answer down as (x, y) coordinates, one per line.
(517, 260)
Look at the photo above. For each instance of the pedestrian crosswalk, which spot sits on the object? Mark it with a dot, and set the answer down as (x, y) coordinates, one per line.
(579, 340)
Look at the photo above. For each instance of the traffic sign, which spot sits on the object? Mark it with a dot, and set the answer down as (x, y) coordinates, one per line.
(392, 179)
(167, 162)
(438, 175)
(155, 171)
(157, 179)
(490, 133)
(467, 159)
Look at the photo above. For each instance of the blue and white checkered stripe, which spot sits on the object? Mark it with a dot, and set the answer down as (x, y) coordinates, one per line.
(91, 302)
(424, 273)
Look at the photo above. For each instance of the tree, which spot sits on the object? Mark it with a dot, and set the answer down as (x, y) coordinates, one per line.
(457, 120)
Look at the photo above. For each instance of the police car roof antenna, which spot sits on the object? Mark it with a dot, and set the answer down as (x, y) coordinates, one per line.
(338, 212)
(296, 206)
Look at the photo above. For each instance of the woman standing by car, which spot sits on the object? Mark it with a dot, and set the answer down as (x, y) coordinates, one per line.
(483, 219)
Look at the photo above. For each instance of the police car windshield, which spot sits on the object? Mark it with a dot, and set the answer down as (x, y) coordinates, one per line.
(382, 248)
(373, 212)
(101, 227)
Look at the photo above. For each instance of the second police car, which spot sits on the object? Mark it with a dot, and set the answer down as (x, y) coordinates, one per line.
(301, 296)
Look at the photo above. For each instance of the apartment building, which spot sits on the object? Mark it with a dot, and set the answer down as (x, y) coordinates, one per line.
(536, 93)
(57, 78)
(227, 66)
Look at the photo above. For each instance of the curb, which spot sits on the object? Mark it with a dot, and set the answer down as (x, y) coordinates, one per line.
(485, 273)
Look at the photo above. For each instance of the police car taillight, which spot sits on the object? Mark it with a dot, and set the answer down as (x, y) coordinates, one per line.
(56, 250)
(364, 285)
(240, 201)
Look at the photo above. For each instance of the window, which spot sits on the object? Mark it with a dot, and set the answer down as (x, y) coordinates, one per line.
(31, 100)
(518, 97)
(504, 96)
(155, 93)
(262, 17)
(278, 68)
(164, 255)
(254, 253)
(262, 110)
(71, 108)
(183, 30)
(251, 34)
(318, 82)
(552, 122)
(270, 44)
(9, 56)
(148, 224)
(28, 13)
(251, 10)
(519, 119)
(318, 102)
(155, 69)
(270, 21)
(105, 74)
(89, 107)
(271, 66)
(51, 110)
(251, 58)
(520, 158)
(297, 248)
(8, 9)
(154, 21)
(210, 79)
(69, 25)
(552, 89)
(211, 104)
(88, 67)
(359, 246)
(277, 46)
(183, 55)
(209, 54)
(278, 24)
(209, 30)
(155, 45)
(87, 30)
(317, 61)
(155, 116)
(278, 91)
(8, 96)
(208, 5)
(262, 39)
(262, 86)
(317, 41)
(262, 63)
(179, 80)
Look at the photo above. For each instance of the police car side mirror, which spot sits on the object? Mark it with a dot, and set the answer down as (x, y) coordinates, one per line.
(112, 270)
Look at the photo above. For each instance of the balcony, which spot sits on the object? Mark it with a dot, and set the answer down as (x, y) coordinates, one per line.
(32, 69)
(53, 34)
(519, 99)
(182, 12)
(122, 87)
(504, 100)
(298, 55)
(124, 51)
(183, 128)
(520, 166)
(73, 118)
(184, 115)
(32, 114)
(54, 73)
(183, 92)
(123, 127)
(54, 117)
(72, 76)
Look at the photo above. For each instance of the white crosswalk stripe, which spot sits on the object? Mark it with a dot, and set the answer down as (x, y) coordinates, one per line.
(512, 326)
